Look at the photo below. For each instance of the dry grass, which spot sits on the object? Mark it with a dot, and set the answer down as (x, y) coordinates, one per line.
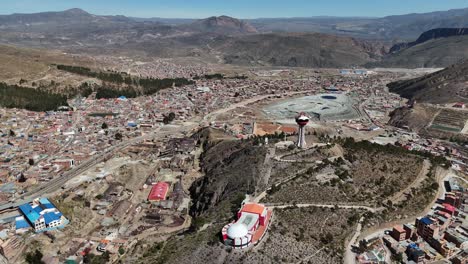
(364, 178)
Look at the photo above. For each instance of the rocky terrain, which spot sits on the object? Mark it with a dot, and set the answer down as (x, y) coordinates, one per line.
(344, 42)
(222, 25)
(445, 86)
(431, 35)
(440, 47)
(223, 185)
(297, 49)
(400, 27)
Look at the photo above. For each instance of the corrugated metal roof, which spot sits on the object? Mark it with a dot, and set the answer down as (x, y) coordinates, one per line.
(426, 221)
(29, 212)
(52, 216)
(21, 223)
(158, 191)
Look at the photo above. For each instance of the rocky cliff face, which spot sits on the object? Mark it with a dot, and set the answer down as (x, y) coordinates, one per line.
(232, 169)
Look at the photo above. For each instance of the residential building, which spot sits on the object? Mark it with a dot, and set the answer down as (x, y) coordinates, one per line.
(398, 233)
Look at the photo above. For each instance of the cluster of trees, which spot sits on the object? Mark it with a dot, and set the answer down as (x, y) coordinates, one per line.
(169, 118)
(272, 138)
(97, 259)
(219, 76)
(106, 92)
(14, 96)
(135, 86)
(105, 76)
(34, 257)
(392, 149)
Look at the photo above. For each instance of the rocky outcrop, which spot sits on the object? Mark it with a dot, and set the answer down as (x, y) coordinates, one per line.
(232, 169)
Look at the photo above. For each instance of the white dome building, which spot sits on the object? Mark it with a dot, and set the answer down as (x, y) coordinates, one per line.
(251, 224)
(237, 230)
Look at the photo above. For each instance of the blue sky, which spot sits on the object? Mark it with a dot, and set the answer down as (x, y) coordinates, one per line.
(235, 8)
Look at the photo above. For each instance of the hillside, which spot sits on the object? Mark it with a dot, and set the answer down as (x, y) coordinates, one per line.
(432, 34)
(436, 53)
(237, 41)
(304, 50)
(401, 27)
(431, 121)
(445, 86)
(222, 25)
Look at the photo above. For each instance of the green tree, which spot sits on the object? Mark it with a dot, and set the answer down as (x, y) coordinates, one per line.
(34, 257)
(121, 250)
(118, 136)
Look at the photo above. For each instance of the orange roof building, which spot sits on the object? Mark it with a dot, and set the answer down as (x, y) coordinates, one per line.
(250, 227)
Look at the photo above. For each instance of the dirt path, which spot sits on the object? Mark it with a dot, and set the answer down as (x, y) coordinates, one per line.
(441, 176)
(363, 207)
(304, 260)
(349, 257)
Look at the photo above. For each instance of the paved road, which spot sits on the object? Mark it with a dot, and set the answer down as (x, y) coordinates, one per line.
(349, 257)
(58, 181)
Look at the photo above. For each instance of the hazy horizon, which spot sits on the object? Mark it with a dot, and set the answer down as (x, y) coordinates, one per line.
(240, 9)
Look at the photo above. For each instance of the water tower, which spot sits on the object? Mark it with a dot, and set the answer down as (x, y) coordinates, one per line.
(302, 119)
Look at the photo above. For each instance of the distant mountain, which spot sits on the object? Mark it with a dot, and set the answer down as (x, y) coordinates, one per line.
(431, 35)
(446, 86)
(400, 27)
(295, 49)
(245, 41)
(167, 21)
(69, 18)
(431, 50)
(222, 25)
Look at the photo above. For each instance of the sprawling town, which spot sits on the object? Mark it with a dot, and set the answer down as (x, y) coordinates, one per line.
(132, 168)
(138, 134)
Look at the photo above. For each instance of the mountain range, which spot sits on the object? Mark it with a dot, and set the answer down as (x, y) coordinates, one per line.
(307, 42)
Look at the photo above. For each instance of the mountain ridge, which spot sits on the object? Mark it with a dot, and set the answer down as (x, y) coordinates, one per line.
(432, 34)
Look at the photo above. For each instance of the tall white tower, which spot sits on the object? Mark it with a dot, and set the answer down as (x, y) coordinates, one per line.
(302, 119)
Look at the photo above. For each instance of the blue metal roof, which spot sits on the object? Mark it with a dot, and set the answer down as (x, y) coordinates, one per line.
(46, 203)
(29, 212)
(413, 245)
(426, 221)
(21, 223)
(52, 216)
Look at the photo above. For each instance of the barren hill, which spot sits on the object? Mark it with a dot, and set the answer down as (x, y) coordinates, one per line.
(432, 34)
(294, 49)
(445, 86)
(222, 25)
(400, 27)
